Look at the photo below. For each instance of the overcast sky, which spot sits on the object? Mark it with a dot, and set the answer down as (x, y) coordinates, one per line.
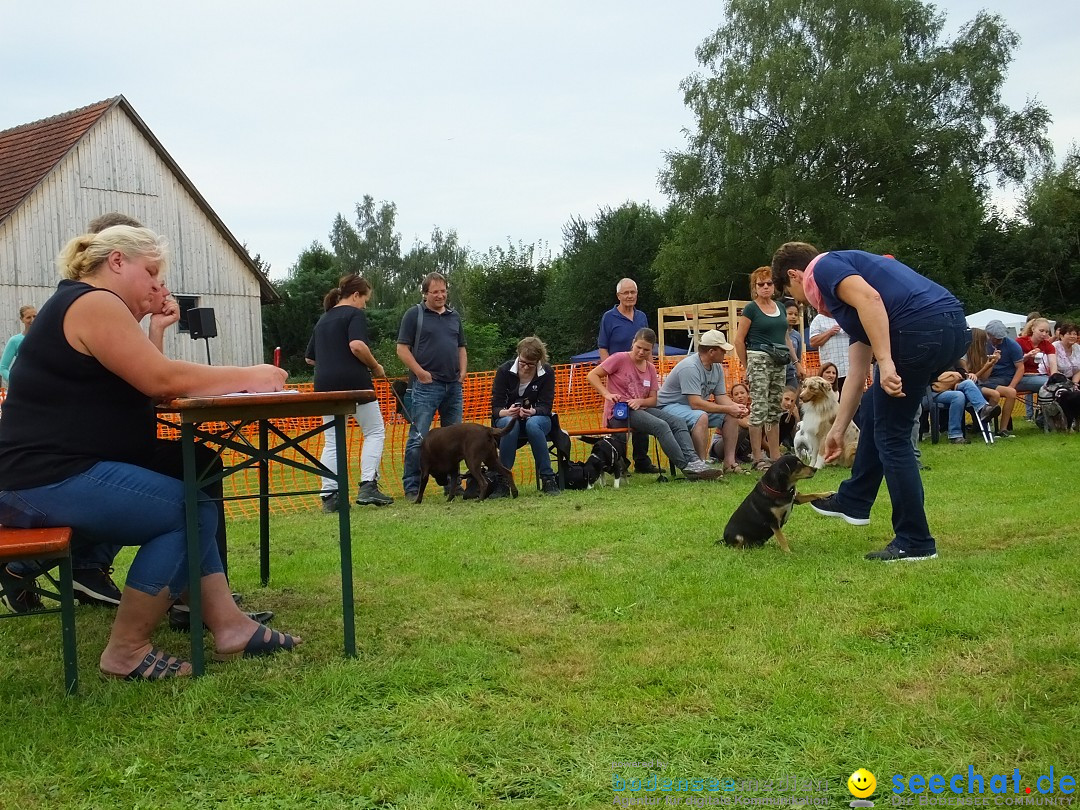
(500, 120)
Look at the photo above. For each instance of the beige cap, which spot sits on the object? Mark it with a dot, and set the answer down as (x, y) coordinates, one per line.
(714, 337)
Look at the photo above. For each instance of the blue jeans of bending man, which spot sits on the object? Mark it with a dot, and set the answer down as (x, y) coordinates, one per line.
(536, 430)
(921, 352)
(114, 503)
(427, 399)
(966, 393)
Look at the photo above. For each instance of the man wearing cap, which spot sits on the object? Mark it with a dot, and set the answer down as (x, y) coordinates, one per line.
(1009, 368)
(617, 329)
(914, 329)
(694, 391)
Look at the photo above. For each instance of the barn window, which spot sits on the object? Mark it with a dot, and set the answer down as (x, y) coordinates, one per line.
(185, 302)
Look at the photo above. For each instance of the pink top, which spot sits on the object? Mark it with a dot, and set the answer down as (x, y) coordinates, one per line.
(627, 381)
(1068, 362)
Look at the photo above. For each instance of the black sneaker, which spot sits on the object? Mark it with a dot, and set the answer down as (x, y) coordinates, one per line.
(412, 496)
(95, 586)
(1005, 434)
(17, 592)
(988, 412)
(829, 508)
(330, 503)
(498, 489)
(645, 467)
(180, 617)
(550, 485)
(959, 440)
(893, 553)
(369, 495)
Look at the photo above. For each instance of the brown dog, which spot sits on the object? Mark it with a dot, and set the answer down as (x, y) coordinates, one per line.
(477, 445)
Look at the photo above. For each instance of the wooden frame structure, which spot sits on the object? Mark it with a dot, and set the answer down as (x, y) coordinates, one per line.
(697, 318)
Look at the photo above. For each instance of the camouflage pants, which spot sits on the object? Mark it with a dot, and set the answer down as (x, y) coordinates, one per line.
(765, 379)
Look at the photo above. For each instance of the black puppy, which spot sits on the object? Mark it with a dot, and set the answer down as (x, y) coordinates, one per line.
(608, 456)
(763, 512)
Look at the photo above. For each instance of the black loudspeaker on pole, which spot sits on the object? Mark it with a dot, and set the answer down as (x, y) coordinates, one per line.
(202, 324)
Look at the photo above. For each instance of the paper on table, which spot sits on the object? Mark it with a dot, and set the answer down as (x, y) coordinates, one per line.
(261, 393)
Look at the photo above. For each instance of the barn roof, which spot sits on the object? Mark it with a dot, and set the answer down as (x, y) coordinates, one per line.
(28, 153)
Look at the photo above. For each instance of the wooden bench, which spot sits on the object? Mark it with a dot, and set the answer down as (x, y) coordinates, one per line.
(39, 545)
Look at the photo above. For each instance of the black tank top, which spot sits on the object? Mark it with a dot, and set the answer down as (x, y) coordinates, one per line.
(65, 411)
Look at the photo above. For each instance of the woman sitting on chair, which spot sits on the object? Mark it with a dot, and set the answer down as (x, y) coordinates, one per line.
(91, 472)
(631, 377)
(523, 394)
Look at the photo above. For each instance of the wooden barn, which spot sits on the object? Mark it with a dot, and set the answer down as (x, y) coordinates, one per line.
(58, 174)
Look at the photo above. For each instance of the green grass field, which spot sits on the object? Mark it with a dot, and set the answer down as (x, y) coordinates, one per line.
(512, 652)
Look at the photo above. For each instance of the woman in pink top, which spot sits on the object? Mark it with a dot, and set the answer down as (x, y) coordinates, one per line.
(631, 377)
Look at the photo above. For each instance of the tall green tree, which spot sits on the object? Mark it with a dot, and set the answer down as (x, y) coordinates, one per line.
(849, 123)
(619, 243)
(1051, 207)
(505, 288)
(371, 247)
(288, 324)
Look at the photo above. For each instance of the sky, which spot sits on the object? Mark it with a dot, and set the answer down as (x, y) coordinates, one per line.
(499, 120)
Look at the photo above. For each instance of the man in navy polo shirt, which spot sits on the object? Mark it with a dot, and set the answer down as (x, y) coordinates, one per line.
(434, 351)
(617, 330)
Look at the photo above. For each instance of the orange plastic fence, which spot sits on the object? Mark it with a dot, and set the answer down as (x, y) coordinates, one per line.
(576, 402)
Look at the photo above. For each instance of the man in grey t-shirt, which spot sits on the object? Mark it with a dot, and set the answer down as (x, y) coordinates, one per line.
(694, 391)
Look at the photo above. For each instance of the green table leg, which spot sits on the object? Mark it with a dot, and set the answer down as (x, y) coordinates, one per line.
(191, 519)
(345, 536)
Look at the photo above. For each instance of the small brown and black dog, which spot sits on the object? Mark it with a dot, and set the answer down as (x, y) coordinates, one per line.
(763, 512)
(477, 445)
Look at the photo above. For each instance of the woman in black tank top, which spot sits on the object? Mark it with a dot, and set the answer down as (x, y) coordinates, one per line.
(87, 473)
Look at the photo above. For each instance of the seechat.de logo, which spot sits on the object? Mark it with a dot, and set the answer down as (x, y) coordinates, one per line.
(977, 783)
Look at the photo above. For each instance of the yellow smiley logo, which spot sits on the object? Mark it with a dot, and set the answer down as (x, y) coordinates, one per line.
(862, 783)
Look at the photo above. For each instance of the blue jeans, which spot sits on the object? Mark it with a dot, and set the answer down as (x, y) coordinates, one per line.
(114, 503)
(965, 393)
(920, 351)
(1031, 383)
(444, 397)
(536, 430)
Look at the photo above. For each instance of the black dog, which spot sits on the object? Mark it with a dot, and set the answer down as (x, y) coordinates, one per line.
(608, 456)
(1059, 403)
(766, 509)
(445, 448)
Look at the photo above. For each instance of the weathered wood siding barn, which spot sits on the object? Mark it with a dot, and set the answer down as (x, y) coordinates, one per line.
(58, 174)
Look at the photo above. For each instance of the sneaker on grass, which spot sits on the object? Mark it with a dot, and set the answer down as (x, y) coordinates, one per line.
(330, 503)
(95, 586)
(369, 494)
(830, 508)
(17, 592)
(893, 553)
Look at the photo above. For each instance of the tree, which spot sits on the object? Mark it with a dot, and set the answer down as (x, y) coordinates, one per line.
(505, 288)
(620, 243)
(848, 124)
(371, 248)
(1051, 207)
(289, 323)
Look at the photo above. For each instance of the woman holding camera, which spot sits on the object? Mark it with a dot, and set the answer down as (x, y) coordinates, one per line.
(523, 393)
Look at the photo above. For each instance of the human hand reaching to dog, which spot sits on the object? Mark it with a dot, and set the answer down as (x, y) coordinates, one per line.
(834, 444)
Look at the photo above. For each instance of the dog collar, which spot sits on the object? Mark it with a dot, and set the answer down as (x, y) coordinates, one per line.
(774, 493)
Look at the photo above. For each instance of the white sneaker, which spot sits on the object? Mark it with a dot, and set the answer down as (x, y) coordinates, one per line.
(697, 466)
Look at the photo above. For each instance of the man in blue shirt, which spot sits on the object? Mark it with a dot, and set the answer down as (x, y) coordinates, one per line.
(1009, 368)
(617, 329)
(914, 329)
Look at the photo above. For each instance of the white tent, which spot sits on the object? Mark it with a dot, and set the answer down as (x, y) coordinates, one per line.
(1011, 320)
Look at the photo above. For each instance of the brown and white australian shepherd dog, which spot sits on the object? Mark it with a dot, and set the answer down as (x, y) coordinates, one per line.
(819, 407)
